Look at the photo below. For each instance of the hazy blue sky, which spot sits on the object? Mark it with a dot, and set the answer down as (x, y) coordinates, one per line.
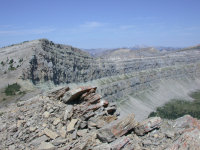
(101, 23)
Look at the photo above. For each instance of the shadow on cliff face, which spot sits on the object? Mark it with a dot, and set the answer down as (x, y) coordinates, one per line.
(142, 104)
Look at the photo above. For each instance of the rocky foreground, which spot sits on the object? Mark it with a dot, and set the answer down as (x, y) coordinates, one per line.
(78, 119)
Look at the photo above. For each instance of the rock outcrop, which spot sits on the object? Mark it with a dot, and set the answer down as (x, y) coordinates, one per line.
(46, 122)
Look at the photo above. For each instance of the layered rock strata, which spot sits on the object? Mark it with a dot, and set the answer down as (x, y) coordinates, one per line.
(43, 60)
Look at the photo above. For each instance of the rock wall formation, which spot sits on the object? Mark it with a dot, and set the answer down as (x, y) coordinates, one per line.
(65, 64)
(116, 78)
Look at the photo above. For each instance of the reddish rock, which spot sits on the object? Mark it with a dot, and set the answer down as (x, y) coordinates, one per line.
(189, 129)
(119, 143)
(98, 105)
(93, 98)
(187, 121)
(190, 139)
(91, 92)
(148, 125)
(76, 93)
(116, 128)
(59, 93)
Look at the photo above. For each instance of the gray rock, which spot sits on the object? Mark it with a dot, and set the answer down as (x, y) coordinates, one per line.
(46, 146)
(116, 129)
(148, 125)
(147, 143)
(74, 135)
(11, 147)
(104, 146)
(56, 121)
(119, 143)
(68, 112)
(170, 134)
(83, 124)
(71, 125)
(75, 93)
(59, 141)
(38, 140)
(51, 134)
(46, 114)
(82, 132)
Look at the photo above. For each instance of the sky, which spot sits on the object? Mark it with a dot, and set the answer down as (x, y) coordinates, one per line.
(101, 23)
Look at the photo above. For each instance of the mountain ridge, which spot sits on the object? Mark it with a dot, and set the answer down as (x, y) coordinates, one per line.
(46, 65)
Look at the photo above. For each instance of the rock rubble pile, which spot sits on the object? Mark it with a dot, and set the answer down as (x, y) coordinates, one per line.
(76, 119)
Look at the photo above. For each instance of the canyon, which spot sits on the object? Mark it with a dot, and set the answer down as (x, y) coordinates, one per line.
(66, 98)
(137, 80)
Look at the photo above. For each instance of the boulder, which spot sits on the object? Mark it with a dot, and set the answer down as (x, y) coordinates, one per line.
(188, 140)
(148, 125)
(116, 128)
(186, 121)
(72, 95)
(58, 93)
(94, 107)
(92, 98)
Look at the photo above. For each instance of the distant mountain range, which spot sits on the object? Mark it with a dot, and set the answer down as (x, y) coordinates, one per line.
(102, 51)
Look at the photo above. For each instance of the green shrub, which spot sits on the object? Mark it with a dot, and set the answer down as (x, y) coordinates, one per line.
(1, 113)
(11, 61)
(11, 67)
(178, 108)
(2, 63)
(21, 60)
(12, 89)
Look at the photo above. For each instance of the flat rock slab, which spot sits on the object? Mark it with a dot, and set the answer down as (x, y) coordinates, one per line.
(68, 112)
(76, 93)
(51, 134)
(46, 146)
(71, 125)
(116, 128)
(119, 143)
(58, 93)
(148, 125)
(38, 140)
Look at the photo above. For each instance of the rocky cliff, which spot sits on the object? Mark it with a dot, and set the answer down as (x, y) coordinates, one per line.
(140, 81)
(42, 60)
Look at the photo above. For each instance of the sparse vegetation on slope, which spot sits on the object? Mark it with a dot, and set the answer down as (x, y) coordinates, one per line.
(12, 89)
(178, 108)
